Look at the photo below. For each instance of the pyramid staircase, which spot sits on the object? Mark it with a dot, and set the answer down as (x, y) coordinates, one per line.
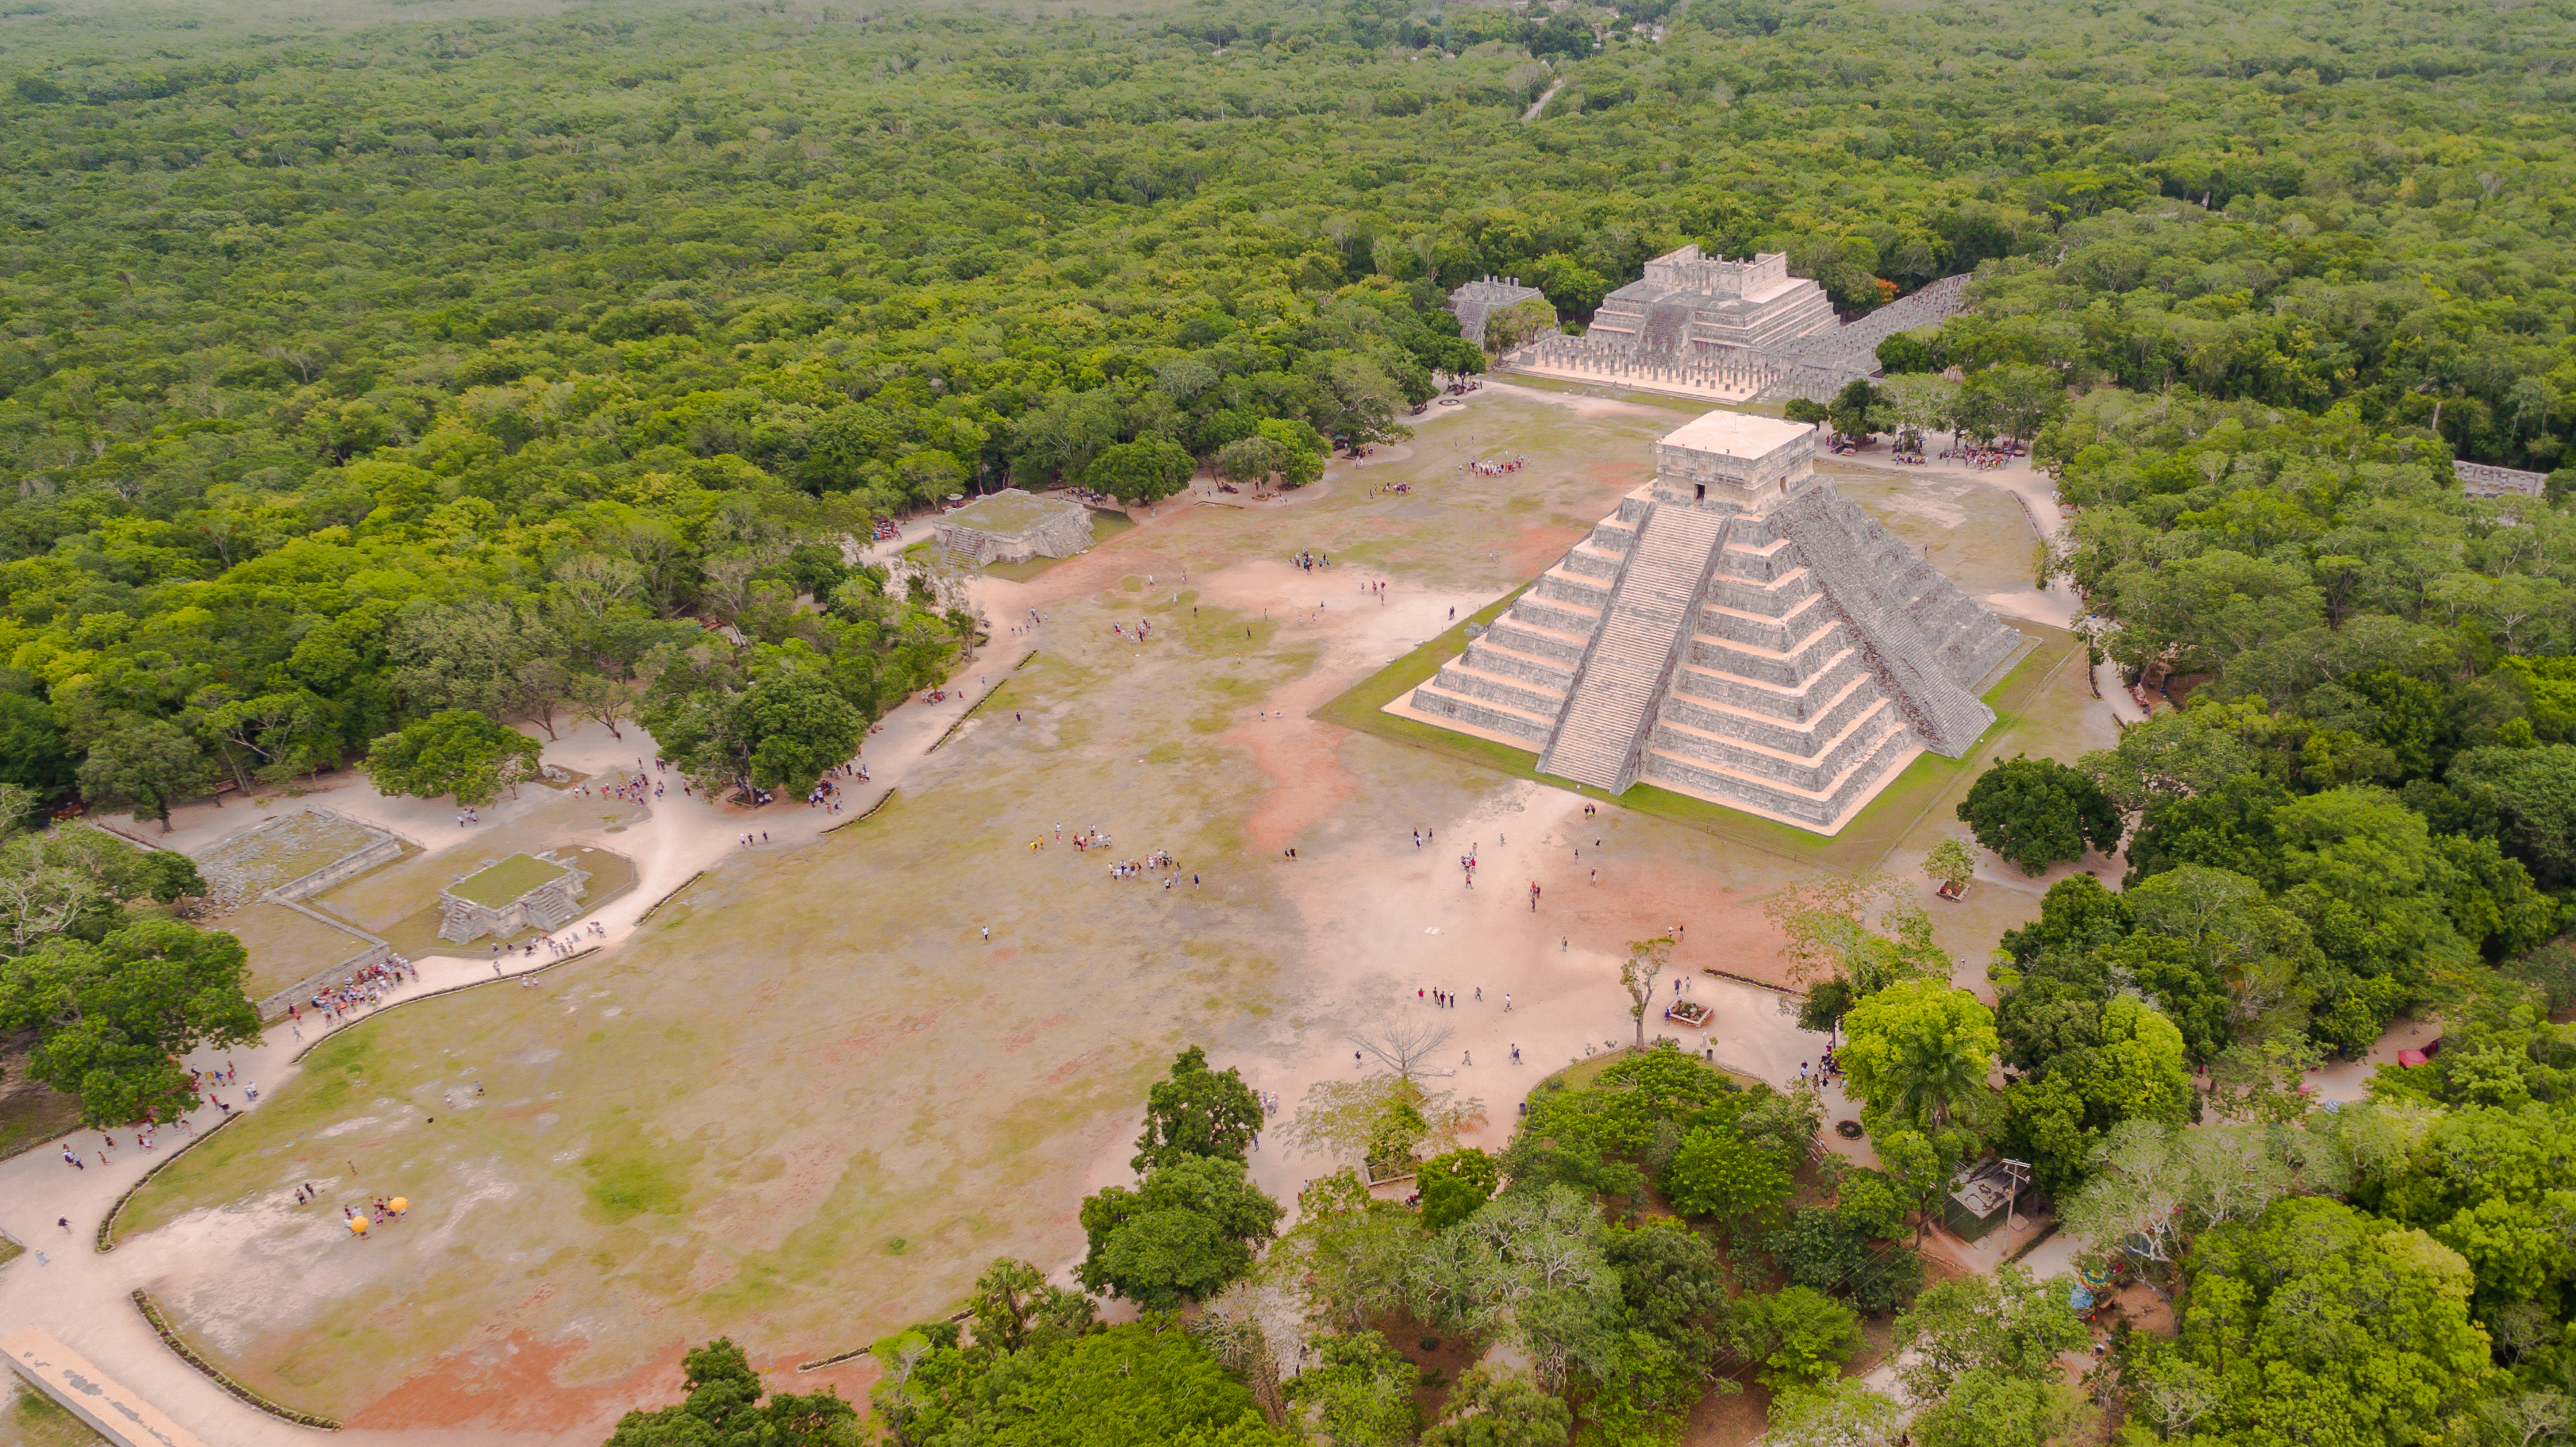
(1609, 704)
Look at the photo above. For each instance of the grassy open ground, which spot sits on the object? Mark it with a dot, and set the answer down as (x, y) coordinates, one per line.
(811, 1101)
(285, 946)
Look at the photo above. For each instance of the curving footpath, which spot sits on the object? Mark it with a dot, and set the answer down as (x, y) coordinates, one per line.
(84, 1297)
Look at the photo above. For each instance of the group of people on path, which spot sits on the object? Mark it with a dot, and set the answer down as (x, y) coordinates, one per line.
(580, 932)
(367, 987)
(1309, 560)
(1983, 459)
(633, 789)
(826, 794)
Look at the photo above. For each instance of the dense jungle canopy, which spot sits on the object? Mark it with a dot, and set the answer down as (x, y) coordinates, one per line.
(329, 340)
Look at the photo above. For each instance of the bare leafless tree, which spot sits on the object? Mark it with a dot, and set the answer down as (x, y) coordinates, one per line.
(1404, 1046)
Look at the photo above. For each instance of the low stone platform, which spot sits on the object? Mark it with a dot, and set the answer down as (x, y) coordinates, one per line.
(1013, 526)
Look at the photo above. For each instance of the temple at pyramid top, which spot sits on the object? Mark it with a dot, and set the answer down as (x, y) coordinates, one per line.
(1738, 631)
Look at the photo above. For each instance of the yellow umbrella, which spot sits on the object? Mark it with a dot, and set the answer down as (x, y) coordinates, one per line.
(358, 1225)
(398, 1205)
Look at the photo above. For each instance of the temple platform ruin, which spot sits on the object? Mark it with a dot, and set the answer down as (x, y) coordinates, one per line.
(1013, 526)
(1738, 631)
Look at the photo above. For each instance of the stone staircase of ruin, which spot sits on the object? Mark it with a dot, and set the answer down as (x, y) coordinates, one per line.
(1631, 657)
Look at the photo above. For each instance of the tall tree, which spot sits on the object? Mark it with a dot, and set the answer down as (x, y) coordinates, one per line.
(148, 763)
(1195, 1111)
(113, 1019)
(1919, 1052)
(454, 751)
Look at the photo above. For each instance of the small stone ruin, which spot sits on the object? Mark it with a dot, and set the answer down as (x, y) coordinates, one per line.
(525, 891)
(1013, 526)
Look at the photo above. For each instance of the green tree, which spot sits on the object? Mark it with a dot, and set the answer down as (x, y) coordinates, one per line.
(1306, 449)
(2317, 1322)
(113, 1019)
(1015, 1308)
(1454, 1185)
(2008, 1324)
(2535, 791)
(2038, 812)
(148, 763)
(33, 752)
(1195, 1111)
(1140, 471)
(1950, 863)
(1637, 975)
(2134, 1069)
(455, 751)
(791, 728)
(1255, 460)
(1496, 1407)
(1148, 1381)
(1359, 1394)
(2012, 401)
(1866, 931)
(1517, 323)
(1799, 1338)
(1840, 1413)
(1180, 1235)
(1720, 1175)
(1918, 1053)
(724, 1408)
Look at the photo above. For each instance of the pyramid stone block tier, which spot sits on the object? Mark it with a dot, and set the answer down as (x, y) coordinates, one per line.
(1738, 631)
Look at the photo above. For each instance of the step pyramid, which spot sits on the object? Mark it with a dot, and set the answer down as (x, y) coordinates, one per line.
(1738, 631)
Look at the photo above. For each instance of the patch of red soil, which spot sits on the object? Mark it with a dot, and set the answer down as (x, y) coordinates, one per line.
(508, 1385)
(1301, 757)
(1023, 1038)
(1720, 929)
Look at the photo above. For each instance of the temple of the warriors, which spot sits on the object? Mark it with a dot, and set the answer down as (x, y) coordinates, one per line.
(1704, 326)
(1690, 306)
(1737, 631)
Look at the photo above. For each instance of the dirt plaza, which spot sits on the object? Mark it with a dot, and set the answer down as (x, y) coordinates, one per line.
(810, 1098)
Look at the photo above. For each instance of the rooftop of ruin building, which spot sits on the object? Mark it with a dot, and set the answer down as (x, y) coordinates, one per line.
(1010, 511)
